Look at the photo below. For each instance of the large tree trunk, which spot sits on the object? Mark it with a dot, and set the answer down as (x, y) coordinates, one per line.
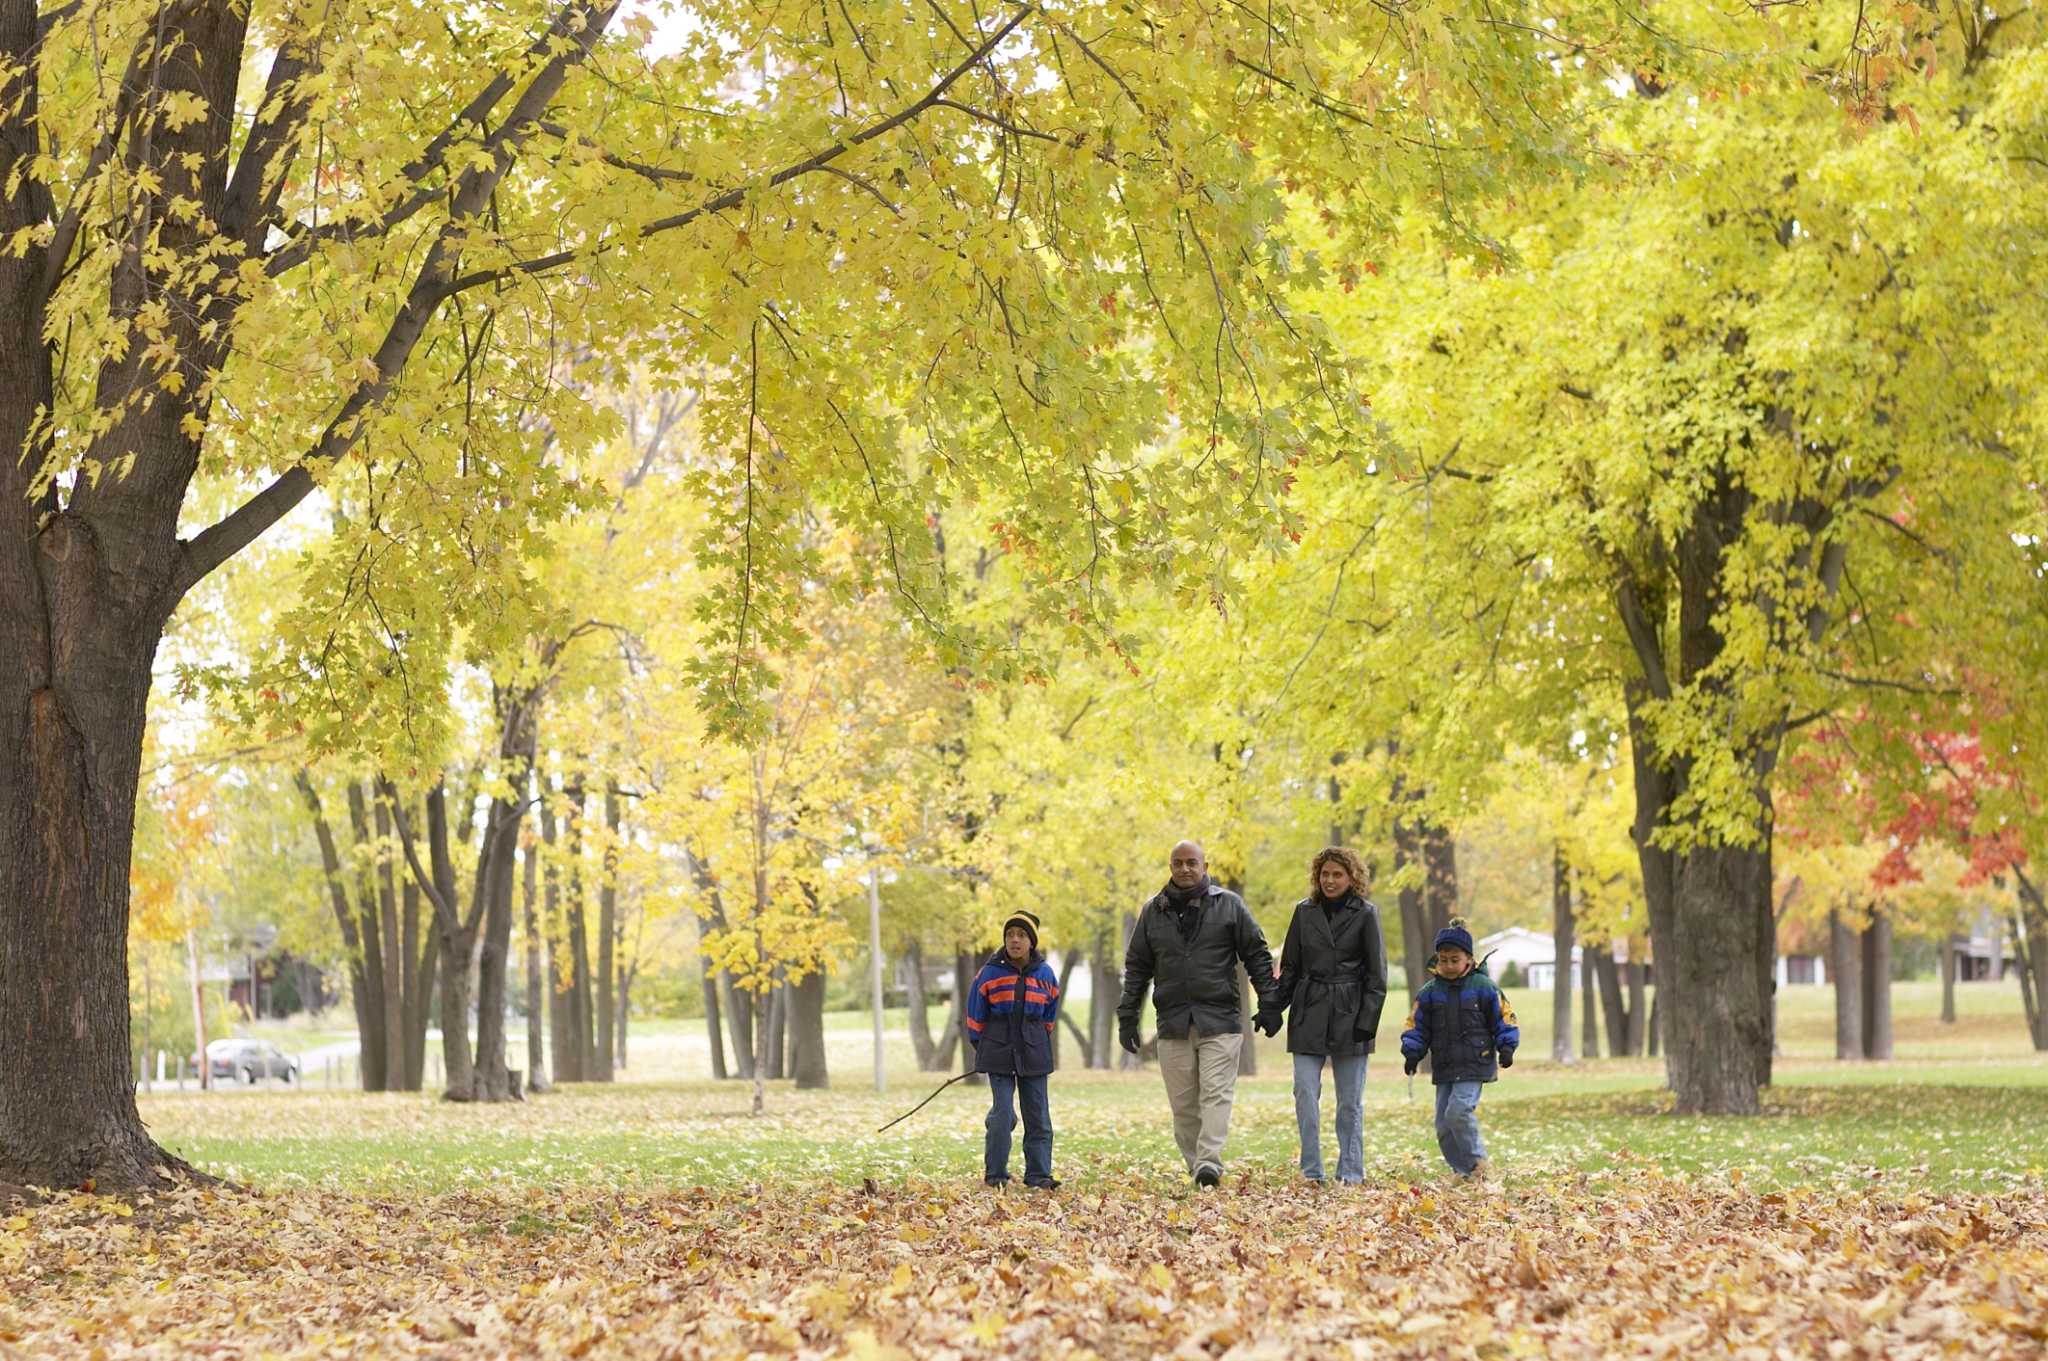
(1717, 1032)
(807, 1032)
(921, 1042)
(1845, 961)
(1877, 987)
(607, 931)
(1562, 929)
(1611, 1004)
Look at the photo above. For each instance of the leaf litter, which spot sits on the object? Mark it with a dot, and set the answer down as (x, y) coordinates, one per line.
(1632, 1263)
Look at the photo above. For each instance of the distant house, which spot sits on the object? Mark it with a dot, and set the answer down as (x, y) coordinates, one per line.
(1984, 954)
(1802, 954)
(1532, 952)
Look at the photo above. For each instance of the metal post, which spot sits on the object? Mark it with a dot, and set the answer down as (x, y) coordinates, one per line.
(875, 961)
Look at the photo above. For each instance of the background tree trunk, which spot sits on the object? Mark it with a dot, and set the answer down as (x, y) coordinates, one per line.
(966, 964)
(1611, 1004)
(1440, 861)
(2030, 943)
(712, 1019)
(1248, 1052)
(1104, 984)
(344, 915)
(373, 1051)
(777, 1056)
(394, 948)
(1562, 927)
(806, 1026)
(1948, 978)
(607, 930)
(1877, 987)
(921, 1043)
(1589, 1005)
(1845, 960)
(1412, 900)
(1638, 1005)
(536, 993)
(739, 1011)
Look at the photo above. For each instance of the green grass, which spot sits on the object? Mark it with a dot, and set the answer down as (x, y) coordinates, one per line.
(1962, 1108)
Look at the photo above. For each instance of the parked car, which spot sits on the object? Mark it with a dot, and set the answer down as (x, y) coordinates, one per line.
(248, 1060)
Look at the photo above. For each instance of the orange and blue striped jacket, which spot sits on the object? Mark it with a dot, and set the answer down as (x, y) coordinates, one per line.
(1011, 1013)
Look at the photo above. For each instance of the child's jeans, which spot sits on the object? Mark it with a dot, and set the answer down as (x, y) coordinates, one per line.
(1457, 1125)
(1308, 1115)
(1002, 1119)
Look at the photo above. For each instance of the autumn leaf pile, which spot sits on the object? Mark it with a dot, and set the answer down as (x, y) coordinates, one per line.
(1646, 1265)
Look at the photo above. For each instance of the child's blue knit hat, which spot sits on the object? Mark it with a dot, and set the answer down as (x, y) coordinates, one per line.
(1457, 937)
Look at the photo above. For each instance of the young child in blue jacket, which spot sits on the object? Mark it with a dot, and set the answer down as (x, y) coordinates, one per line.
(1011, 1010)
(1463, 1021)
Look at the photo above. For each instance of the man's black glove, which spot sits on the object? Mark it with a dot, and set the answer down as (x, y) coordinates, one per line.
(1127, 1036)
(1268, 1022)
(1507, 1058)
(1410, 1063)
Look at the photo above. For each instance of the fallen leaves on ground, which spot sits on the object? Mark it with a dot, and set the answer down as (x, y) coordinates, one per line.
(1641, 1264)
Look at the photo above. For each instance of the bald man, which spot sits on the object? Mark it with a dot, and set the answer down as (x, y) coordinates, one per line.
(1191, 938)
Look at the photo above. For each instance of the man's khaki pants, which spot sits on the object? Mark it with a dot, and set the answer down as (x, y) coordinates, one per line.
(1201, 1079)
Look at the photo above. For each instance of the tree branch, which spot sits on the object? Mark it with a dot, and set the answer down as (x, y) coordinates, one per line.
(737, 195)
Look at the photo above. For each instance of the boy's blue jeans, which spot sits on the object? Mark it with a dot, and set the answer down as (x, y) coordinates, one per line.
(1003, 1088)
(1457, 1125)
(1308, 1114)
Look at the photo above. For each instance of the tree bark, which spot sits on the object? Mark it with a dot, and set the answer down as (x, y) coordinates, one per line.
(1562, 929)
(807, 1032)
(1845, 960)
(1877, 987)
(1656, 1022)
(581, 1012)
(921, 1042)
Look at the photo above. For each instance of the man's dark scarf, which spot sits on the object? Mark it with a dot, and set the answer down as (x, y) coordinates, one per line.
(1182, 903)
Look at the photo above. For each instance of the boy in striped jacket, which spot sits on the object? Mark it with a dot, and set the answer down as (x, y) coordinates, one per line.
(1011, 1010)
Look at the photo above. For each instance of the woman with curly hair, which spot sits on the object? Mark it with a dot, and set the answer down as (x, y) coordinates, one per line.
(1332, 984)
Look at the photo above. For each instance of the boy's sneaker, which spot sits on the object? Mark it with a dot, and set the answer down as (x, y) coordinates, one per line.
(997, 1182)
(1049, 1184)
(1481, 1170)
(1208, 1175)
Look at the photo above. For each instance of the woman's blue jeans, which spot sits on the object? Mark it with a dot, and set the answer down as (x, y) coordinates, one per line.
(1457, 1125)
(1003, 1090)
(1308, 1114)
